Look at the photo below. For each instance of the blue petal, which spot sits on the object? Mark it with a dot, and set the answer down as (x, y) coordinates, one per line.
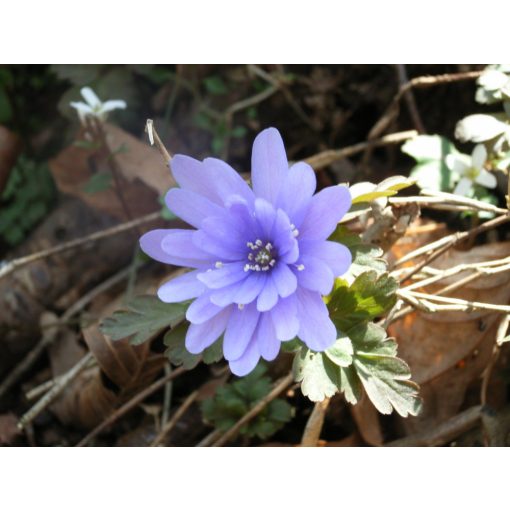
(269, 164)
(297, 192)
(191, 175)
(268, 297)
(285, 319)
(316, 275)
(181, 288)
(191, 207)
(284, 279)
(265, 337)
(219, 249)
(239, 332)
(283, 238)
(228, 181)
(173, 246)
(250, 288)
(315, 327)
(337, 256)
(202, 309)
(224, 276)
(247, 362)
(201, 336)
(265, 215)
(326, 209)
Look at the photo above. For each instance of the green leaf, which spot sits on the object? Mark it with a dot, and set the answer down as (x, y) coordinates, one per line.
(374, 367)
(232, 401)
(385, 377)
(144, 316)
(179, 355)
(341, 352)
(176, 352)
(350, 385)
(430, 152)
(365, 257)
(27, 197)
(428, 148)
(480, 128)
(215, 85)
(368, 297)
(238, 132)
(367, 191)
(100, 181)
(318, 375)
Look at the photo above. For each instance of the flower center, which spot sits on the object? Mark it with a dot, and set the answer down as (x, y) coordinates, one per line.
(260, 257)
(472, 173)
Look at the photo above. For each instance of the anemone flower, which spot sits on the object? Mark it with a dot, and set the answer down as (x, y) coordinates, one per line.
(260, 257)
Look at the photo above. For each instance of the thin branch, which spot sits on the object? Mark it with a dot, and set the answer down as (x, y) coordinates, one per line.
(155, 139)
(323, 159)
(453, 240)
(175, 418)
(131, 404)
(15, 264)
(458, 199)
(460, 305)
(409, 98)
(313, 428)
(445, 432)
(56, 389)
(419, 82)
(278, 388)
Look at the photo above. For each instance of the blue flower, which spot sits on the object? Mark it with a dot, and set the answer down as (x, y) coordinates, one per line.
(260, 257)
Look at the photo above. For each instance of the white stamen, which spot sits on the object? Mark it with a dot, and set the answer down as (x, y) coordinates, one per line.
(218, 265)
(258, 242)
(240, 306)
(272, 262)
(269, 246)
(250, 256)
(256, 267)
(247, 267)
(300, 267)
(295, 232)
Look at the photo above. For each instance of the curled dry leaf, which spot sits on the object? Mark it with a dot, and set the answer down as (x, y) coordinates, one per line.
(447, 351)
(122, 370)
(143, 174)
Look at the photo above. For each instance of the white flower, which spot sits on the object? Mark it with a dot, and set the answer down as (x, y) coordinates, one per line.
(471, 170)
(93, 107)
(494, 84)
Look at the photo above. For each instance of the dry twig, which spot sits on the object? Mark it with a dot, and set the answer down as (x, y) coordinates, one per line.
(129, 405)
(325, 158)
(15, 264)
(313, 429)
(444, 433)
(55, 390)
(175, 418)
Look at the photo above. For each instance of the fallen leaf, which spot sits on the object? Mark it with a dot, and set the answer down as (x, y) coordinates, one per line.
(447, 351)
(144, 176)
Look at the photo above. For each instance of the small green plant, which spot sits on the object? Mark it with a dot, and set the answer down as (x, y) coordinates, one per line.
(232, 401)
(26, 199)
